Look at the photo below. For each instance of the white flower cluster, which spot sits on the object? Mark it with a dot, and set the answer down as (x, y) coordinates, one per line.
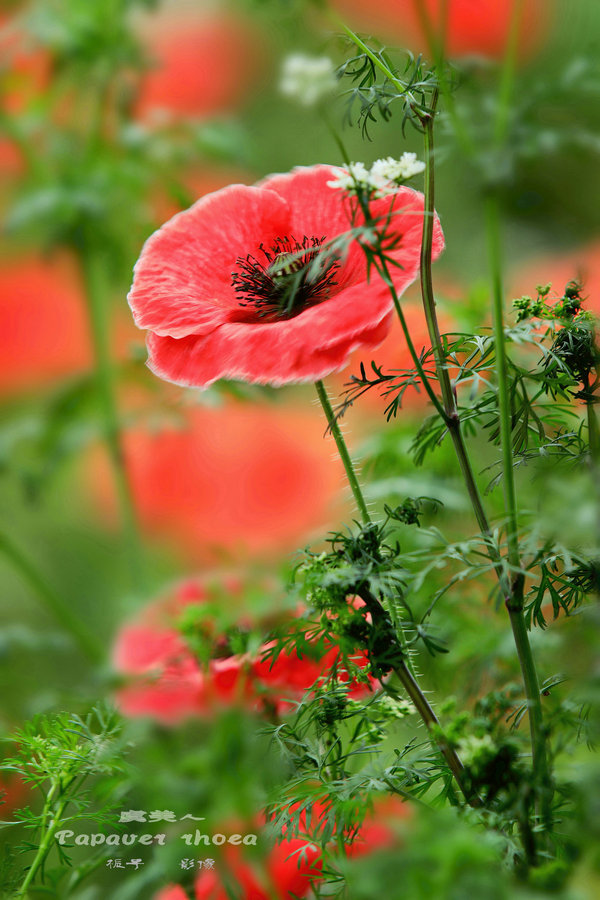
(383, 178)
(307, 79)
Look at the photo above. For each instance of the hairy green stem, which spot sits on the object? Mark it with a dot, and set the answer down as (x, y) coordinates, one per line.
(378, 613)
(338, 437)
(85, 639)
(419, 700)
(94, 277)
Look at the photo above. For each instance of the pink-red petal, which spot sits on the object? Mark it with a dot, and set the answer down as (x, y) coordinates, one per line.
(183, 292)
(242, 352)
(182, 280)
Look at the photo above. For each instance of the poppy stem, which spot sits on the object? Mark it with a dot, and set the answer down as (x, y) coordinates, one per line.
(402, 670)
(338, 437)
(93, 274)
(425, 710)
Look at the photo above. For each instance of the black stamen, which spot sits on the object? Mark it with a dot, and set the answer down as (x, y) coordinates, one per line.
(291, 278)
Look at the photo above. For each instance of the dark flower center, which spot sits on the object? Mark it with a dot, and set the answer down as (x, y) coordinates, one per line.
(290, 277)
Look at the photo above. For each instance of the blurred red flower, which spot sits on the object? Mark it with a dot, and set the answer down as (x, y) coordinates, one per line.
(582, 264)
(217, 286)
(289, 870)
(233, 480)
(203, 62)
(293, 866)
(288, 676)
(167, 683)
(474, 27)
(45, 331)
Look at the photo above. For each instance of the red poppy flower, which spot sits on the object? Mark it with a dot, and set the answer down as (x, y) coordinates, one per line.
(167, 683)
(236, 287)
(202, 62)
(473, 26)
(165, 680)
(289, 870)
(241, 478)
(288, 676)
(293, 866)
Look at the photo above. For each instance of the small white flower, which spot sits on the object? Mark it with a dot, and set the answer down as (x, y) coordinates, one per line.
(384, 177)
(352, 178)
(307, 78)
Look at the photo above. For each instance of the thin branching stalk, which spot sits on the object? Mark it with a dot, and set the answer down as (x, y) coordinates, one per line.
(51, 821)
(512, 588)
(515, 604)
(382, 267)
(540, 761)
(378, 613)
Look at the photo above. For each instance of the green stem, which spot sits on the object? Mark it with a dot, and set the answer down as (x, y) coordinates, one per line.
(419, 700)
(432, 723)
(504, 404)
(383, 269)
(46, 842)
(512, 590)
(377, 62)
(53, 603)
(515, 603)
(343, 451)
(94, 277)
(378, 613)
(450, 414)
(425, 264)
